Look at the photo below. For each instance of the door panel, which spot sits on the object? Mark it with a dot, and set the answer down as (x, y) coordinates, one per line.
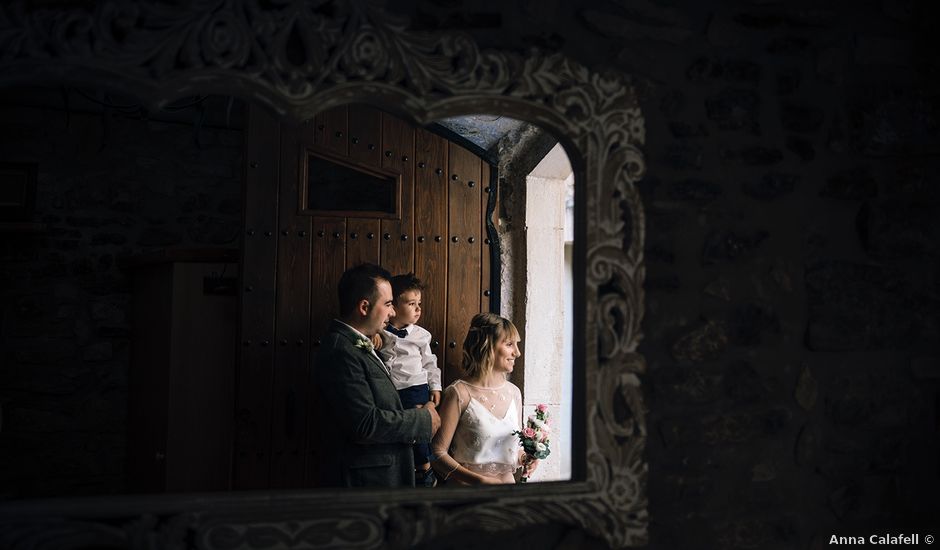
(289, 397)
(330, 129)
(398, 143)
(252, 447)
(362, 241)
(365, 140)
(365, 136)
(463, 257)
(327, 265)
(431, 230)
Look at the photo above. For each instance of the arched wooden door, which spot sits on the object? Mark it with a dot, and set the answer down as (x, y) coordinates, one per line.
(295, 252)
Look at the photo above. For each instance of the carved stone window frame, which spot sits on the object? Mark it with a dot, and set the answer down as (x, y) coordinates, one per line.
(355, 53)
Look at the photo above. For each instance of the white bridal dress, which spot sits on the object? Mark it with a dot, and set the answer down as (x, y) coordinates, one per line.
(483, 441)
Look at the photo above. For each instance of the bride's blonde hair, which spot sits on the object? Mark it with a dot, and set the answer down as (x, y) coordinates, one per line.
(486, 331)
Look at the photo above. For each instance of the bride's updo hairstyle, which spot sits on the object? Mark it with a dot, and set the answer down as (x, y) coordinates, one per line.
(487, 330)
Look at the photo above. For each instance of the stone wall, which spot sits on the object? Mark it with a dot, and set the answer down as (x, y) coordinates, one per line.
(110, 187)
(792, 282)
(792, 255)
(545, 315)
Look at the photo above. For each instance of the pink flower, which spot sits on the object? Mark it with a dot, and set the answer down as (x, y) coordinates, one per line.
(528, 432)
(542, 407)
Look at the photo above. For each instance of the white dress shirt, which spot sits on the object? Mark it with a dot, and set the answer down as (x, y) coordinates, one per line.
(410, 360)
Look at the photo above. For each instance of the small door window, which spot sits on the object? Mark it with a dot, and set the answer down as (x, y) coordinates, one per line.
(335, 187)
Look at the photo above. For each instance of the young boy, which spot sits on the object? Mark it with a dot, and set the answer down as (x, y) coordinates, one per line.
(406, 349)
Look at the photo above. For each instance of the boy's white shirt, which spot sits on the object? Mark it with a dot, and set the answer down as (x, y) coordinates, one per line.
(410, 360)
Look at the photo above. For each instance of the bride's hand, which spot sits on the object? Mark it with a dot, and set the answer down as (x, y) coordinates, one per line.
(528, 463)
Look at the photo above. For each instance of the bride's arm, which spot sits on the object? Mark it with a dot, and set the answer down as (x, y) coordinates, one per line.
(446, 467)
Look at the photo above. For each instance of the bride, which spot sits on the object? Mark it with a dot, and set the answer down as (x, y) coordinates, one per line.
(475, 444)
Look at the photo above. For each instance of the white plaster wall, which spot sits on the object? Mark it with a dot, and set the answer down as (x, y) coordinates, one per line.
(547, 288)
(567, 388)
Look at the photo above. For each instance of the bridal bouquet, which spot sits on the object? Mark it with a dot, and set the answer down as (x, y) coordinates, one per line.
(535, 436)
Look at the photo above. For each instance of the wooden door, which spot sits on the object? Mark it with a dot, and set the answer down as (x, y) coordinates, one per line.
(292, 320)
(431, 230)
(252, 447)
(438, 231)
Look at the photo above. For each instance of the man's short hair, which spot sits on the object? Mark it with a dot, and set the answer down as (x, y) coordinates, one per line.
(404, 283)
(360, 283)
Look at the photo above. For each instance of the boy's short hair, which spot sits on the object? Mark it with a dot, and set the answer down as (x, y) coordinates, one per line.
(404, 283)
(358, 283)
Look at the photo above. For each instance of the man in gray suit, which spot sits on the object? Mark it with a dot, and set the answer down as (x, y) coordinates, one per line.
(366, 434)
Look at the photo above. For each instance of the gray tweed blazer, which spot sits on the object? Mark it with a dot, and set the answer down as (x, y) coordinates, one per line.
(364, 434)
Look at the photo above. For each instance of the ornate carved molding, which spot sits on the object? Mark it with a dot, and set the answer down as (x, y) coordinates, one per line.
(300, 58)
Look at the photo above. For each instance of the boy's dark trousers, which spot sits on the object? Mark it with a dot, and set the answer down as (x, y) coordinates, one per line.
(410, 397)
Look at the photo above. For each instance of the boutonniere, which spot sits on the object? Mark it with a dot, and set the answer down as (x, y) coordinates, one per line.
(364, 345)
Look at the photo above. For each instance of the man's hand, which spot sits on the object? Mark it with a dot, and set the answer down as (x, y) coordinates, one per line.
(435, 418)
(436, 397)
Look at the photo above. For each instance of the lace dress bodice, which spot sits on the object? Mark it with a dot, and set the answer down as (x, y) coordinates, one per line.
(483, 440)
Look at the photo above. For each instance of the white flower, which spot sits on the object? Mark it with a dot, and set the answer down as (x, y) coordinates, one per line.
(364, 345)
(540, 447)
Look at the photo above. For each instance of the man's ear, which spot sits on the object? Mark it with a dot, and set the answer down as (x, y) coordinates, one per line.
(363, 307)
